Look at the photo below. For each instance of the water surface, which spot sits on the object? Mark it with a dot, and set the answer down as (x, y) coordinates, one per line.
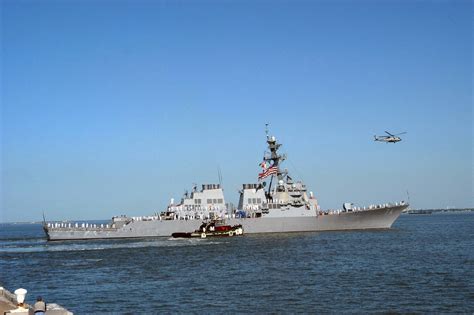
(424, 264)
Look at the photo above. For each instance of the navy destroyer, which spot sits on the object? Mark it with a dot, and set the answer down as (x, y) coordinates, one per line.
(276, 203)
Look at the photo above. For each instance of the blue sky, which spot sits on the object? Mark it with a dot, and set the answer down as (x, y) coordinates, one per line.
(111, 107)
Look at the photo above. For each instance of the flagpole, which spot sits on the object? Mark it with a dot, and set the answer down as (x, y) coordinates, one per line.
(270, 186)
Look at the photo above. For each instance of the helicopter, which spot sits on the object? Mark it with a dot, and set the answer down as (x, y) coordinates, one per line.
(393, 138)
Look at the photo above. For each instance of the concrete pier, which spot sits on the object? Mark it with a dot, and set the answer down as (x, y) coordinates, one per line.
(9, 305)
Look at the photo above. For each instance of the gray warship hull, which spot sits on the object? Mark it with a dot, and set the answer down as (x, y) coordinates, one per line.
(378, 218)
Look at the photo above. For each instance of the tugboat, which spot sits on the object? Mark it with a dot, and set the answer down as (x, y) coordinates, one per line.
(211, 229)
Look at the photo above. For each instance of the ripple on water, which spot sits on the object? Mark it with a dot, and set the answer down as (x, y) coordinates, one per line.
(424, 265)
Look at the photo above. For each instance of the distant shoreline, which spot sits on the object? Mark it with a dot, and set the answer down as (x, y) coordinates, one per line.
(437, 211)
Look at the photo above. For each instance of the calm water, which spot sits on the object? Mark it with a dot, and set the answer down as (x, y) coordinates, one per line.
(424, 264)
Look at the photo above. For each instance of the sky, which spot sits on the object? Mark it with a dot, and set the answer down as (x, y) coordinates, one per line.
(115, 107)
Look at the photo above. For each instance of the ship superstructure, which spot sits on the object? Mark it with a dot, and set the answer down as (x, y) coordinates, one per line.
(276, 203)
(285, 198)
(199, 205)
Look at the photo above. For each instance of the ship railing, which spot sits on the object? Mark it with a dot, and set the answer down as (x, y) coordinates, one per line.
(78, 226)
(359, 209)
(146, 218)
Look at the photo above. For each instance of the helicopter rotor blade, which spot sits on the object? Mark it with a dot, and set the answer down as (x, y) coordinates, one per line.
(389, 133)
(401, 133)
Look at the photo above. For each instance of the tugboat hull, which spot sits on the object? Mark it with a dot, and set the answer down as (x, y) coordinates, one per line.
(212, 230)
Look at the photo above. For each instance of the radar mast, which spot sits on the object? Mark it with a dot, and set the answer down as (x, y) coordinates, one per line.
(274, 158)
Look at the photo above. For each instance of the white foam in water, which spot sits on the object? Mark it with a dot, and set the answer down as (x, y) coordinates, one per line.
(41, 245)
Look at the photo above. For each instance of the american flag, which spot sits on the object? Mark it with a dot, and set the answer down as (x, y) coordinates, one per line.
(269, 171)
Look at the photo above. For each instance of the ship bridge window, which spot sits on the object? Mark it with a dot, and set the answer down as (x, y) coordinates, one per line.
(209, 201)
(259, 200)
(249, 200)
(197, 201)
(220, 200)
